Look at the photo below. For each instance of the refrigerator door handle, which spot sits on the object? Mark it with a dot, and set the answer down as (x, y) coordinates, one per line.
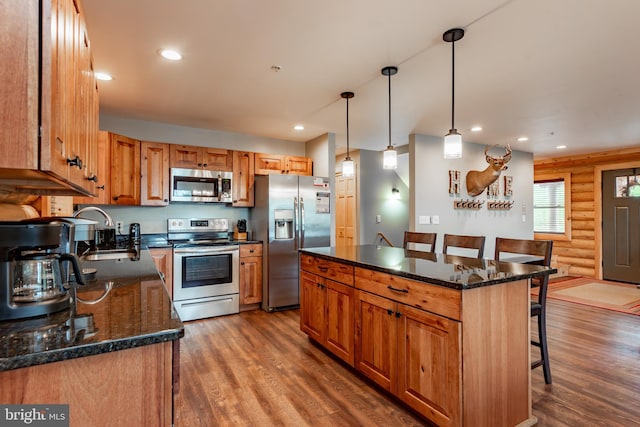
(296, 215)
(301, 222)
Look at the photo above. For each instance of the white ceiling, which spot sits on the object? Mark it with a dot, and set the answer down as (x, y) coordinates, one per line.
(558, 71)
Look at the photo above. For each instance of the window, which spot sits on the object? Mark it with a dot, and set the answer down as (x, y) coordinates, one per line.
(628, 186)
(552, 207)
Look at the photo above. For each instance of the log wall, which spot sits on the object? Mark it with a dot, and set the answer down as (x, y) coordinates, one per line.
(583, 253)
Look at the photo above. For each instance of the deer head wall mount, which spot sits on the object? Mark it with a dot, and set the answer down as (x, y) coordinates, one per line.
(477, 181)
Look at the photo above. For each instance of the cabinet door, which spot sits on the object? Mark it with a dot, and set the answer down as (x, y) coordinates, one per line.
(163, 259)
(269, 163)
(154, 174)
(340, 320)
(376, 339)
(243, 179)
(125, 170)
(216, 159)
(299, 165)
(312, 303)
(429, 364)
(102, 173)
(185, 156)
(250, 280)
(19, 75)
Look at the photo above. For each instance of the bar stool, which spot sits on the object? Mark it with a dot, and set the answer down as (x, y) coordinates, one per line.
(541, 248)
(467, 242)
(422, 238)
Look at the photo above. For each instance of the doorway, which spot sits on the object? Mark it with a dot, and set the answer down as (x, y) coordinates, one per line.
(346, 205)
(621, 225)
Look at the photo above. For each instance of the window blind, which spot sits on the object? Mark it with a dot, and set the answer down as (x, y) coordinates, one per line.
(548, 207)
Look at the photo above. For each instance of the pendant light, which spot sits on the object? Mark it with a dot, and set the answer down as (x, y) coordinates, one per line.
(390, 155)
(348, 168)
(453, 140)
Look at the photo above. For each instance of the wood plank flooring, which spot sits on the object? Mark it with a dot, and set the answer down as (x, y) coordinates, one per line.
(258, 369)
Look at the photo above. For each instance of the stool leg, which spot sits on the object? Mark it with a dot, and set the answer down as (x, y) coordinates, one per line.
(544, 352)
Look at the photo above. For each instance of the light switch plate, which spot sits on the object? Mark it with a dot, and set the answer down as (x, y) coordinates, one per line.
(424, 219)
(435, 219)
(378, 219)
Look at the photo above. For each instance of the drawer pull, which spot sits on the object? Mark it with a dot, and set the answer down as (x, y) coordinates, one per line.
(323, 269)
(389, 311)
(404, 291)
(398, 314)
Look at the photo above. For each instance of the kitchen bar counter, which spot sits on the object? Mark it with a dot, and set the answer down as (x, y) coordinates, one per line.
(449, 336)
(112, 357)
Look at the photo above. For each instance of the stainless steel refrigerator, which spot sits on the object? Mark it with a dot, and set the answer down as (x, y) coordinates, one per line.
(291, 212)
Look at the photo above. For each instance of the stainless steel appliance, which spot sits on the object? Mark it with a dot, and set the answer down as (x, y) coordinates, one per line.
(206, 268)
(198, 185)
(291, 212)
(32, 282)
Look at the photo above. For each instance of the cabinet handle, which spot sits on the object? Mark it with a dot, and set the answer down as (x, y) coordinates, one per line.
(242, 263)
(204, 165)
(323, 269)
(250, 251)
(199, 165)
(389, 311)
(398, 314)
(404, 291)
(116, 198)
(165, 200)
(76, 161)
(93, 178)
(100, 187)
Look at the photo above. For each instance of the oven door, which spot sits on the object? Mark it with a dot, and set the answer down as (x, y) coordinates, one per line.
(201, 272)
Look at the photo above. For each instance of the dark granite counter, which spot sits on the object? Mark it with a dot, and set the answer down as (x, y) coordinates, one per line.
(124, 306)
(445, 270)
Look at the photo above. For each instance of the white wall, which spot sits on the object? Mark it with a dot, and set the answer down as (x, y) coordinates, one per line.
(173, 134)
(322, 150)
(429, 181)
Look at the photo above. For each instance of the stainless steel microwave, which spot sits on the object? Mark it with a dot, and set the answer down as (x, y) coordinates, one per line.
(201, 186)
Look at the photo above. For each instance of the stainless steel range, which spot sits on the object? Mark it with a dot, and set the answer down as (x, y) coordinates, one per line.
(205, 268)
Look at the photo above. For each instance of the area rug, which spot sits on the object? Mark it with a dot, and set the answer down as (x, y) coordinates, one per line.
(615, 296)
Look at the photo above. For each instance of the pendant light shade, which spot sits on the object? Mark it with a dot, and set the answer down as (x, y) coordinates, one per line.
(390, 155)
(453, 140)
(348, 167)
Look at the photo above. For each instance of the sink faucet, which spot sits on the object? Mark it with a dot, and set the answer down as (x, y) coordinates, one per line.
(108, 221)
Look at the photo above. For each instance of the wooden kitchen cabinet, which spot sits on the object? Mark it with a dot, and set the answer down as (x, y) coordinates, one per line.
(154, 174)
(163, 259)
(282, 164)
(125, 170)
(250, 273)
(49, 99)
(102, 173)
(327, 306)
(193, 157)
(243, 179)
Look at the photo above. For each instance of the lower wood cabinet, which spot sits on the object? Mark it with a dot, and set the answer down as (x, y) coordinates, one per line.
(250, 273)
(411, 353)
(163, 259)
(326, 314)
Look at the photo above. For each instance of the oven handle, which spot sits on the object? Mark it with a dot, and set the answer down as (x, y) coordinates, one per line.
(208, 249)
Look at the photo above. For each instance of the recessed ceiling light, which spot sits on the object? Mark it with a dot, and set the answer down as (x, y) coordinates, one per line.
(476, 129)
(170, 54)
(103, 76)
(298, 127)
(561, 147)
(523, 139)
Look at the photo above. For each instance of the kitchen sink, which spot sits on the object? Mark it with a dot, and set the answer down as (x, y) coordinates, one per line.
(105, 254)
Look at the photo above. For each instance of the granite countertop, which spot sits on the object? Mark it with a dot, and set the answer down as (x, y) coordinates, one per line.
(452, 271)
(124, 306)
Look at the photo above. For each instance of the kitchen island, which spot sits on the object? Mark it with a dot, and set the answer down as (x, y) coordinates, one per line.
(447, 335)
(110, 356)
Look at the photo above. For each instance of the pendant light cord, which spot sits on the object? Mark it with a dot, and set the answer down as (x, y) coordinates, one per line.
(347, 128)
(389, 109)
(453, 80)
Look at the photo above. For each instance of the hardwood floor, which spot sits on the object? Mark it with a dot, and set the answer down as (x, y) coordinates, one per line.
(258, 369)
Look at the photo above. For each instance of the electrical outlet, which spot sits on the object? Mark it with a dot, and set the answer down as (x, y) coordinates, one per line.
(119, 226)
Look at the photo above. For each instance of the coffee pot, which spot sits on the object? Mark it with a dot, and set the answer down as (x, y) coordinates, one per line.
(33, 261)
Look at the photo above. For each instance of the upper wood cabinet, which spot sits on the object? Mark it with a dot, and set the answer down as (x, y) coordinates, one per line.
(125, 170)
(48, 97)
(243, 179)
(191, 157)
(278, 163)
(154, 174)
(102, 173)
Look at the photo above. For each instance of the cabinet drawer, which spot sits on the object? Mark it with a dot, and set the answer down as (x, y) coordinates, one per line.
(332, 270)
(250, 250)
(436, 299)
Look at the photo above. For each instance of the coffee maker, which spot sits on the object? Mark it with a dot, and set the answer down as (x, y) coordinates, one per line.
(32, 274)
